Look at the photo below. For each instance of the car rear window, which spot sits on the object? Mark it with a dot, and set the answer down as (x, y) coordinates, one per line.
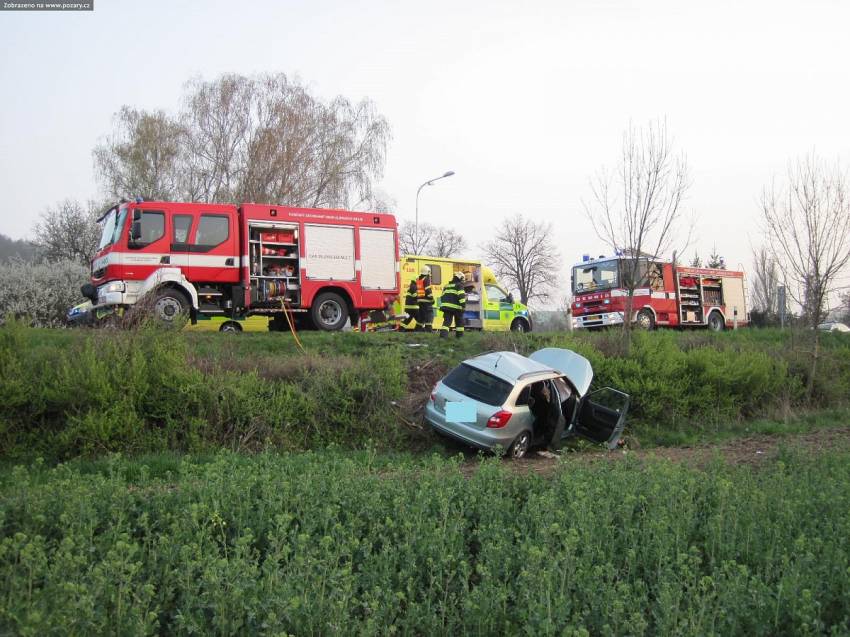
(478, 385)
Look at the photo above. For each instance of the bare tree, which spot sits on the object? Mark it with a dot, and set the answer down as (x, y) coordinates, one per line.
(844, 312)
(764, 281)
(69, 231)
(447, 243)
(523, 253)
(412, 242)
(637, 207)
(142, 156)
(807, 223)
(237, 138)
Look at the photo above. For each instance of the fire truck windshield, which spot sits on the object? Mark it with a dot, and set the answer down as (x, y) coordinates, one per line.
(592, 277)
(113, 224)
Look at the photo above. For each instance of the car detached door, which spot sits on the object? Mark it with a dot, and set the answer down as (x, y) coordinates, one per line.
(601, 416)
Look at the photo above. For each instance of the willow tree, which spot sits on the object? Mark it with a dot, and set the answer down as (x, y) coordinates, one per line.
(263, 138)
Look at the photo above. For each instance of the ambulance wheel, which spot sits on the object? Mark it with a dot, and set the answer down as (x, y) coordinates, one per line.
(329, 312)
(230, 327)
(716, 322)
(645, 320)
(169, 306)
(519, 325)
(519, 447)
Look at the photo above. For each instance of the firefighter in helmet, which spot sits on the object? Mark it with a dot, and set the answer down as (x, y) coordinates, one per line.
(452, 304)
(411, 304)
(424, 300)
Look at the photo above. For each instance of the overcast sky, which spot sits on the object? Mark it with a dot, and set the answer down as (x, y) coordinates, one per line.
(525, 101)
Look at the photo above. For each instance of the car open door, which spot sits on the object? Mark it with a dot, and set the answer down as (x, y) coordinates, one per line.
(601, 416)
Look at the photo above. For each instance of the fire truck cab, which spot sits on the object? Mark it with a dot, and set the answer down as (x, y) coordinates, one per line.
(665, 294)
(236, 261)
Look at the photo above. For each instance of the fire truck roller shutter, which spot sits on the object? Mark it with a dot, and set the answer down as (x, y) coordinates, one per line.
(377, 259)
(330, 252)
(733, 297)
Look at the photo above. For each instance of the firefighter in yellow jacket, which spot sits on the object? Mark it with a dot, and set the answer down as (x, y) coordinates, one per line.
(452, 304)
(411, 304)
(425, 300)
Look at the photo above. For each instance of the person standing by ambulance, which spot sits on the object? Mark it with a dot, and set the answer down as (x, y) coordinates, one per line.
(425, 300)
(411, 304)
(451, 305)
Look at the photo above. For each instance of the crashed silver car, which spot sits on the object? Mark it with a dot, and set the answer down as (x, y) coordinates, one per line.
(504, 399)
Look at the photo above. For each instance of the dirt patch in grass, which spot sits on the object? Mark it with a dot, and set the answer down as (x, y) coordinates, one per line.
(755, 451)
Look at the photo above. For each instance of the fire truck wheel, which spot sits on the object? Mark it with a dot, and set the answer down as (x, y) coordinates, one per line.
(716, 322)
(329, 312)
(169, 305)
(519, 325)
(645, 320)
(230, 327)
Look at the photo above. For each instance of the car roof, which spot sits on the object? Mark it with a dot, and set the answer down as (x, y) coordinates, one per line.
(510, 366)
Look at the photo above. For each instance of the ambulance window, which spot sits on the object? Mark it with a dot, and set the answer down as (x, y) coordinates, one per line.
(436, 274)
(182, 225)
(495, 294)
(151, 226)
(213, 230)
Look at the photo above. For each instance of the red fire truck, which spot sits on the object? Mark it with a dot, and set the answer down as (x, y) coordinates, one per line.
(213, 259)
(666, 294)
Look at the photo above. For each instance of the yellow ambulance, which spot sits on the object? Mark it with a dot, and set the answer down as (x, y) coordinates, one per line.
(489, 306)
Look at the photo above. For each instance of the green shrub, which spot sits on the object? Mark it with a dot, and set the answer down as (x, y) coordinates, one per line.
(69, 393)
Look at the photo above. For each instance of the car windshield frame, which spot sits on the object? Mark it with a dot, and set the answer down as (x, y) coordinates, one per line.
(595, 270)
(464, 378)
(113, 224)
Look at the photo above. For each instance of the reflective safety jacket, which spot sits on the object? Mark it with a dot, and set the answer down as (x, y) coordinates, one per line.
(411, 299)
(454, 296)
(424, 294)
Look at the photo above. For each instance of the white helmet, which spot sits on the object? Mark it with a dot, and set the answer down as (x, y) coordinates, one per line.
(425, 270)
(460, 276)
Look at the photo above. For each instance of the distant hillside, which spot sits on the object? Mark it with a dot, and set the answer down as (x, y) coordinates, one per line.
(10, 248)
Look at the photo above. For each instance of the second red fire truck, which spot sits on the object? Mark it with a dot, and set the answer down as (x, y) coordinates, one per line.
(323, 266)
(665, 294)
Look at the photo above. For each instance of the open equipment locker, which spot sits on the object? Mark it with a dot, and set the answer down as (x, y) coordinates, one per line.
(275, 265)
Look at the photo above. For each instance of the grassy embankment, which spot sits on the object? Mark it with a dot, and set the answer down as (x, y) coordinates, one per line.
(69, 393)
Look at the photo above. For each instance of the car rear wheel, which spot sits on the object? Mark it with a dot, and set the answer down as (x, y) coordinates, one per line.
(520, 446)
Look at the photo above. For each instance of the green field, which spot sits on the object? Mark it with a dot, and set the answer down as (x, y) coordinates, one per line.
(363, 543)
(174, 483)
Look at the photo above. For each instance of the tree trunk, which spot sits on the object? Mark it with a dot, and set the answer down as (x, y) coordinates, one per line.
(627, 322)
(810, 387)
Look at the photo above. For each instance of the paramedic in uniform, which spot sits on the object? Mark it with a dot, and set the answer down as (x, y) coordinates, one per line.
(425, 300)
(451, 304)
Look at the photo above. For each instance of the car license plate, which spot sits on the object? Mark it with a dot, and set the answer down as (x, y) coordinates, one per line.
(593, 317)
(460, 411)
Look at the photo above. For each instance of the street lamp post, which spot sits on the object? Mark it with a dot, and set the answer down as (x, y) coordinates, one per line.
(430, 182)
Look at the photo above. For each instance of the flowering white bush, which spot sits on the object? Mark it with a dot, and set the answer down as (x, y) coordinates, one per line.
(40, 293)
